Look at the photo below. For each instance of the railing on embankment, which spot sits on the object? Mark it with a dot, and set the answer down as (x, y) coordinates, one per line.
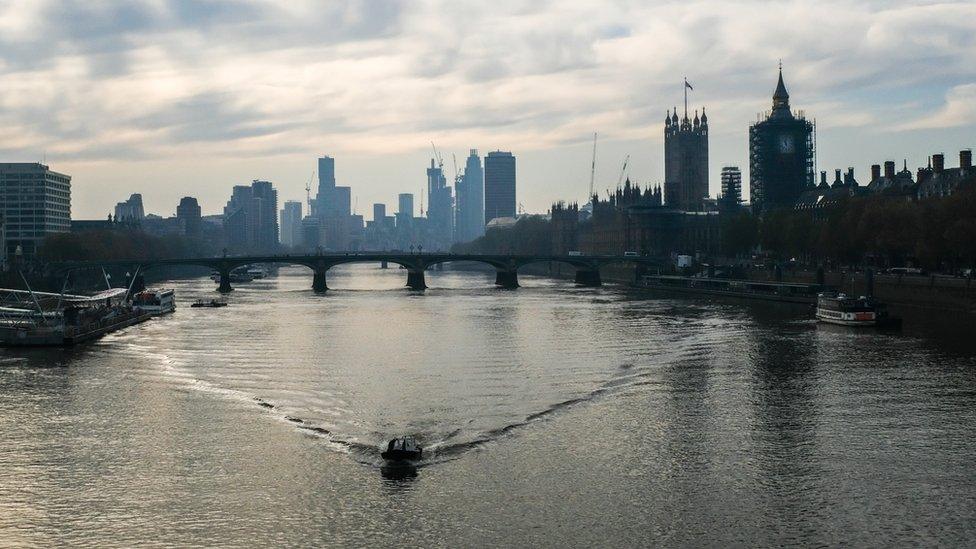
(937, 292)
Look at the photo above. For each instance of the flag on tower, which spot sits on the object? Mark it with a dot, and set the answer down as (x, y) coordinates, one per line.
(688, 85)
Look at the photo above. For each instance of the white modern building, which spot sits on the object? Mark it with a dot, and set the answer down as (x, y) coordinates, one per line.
(34, 202)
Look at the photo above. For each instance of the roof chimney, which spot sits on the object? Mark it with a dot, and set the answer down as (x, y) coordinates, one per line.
(876, 171)
(837, 179)
(849, 180)
(938, 162)
(965, 159)
(890, 169)
(823, 178)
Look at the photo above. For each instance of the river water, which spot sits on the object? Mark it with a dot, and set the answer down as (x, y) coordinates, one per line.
(550, 415)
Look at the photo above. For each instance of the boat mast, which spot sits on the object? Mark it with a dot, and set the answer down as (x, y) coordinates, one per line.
(37, 303)
(132, 283)
(64, 287)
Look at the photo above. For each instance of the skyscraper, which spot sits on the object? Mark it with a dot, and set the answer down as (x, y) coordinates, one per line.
(251, 217)
(379, 212)
(731, 196)
(331, 202)
(780, 155)
(327, 183)
(131, 209)
(440, 207)
(685, 159)
(471, 200)
(188, 215)
(267, 222)
(404, 215)
(333, 207)
(499, 185)
(405, 204)
(291, 223)
(34, 202)
(239, 217)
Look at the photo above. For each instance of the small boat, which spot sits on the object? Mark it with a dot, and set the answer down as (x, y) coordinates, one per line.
(840, 309)
(155, 302)
(402, 449)
(236, 276)
(209, 303)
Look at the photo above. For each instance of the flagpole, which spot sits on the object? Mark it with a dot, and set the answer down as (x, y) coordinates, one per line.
(686, 98)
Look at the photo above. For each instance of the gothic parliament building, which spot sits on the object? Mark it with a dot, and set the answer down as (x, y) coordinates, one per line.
(781, 157)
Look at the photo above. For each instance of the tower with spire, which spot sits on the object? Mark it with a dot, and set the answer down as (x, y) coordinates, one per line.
(685, 158)
(781, 155)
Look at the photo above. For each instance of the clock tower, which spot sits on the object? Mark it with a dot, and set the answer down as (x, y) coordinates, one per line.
(780, 155)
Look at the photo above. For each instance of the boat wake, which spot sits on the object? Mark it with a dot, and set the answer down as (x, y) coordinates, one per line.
(455, 444)
(489, 410)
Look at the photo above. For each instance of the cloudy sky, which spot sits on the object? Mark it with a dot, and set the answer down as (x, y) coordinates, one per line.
(175, 98)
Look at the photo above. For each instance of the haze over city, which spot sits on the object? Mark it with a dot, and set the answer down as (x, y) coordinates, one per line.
(174, 98)
(430, 273)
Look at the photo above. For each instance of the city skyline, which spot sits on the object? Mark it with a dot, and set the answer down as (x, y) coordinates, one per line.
(886, 82)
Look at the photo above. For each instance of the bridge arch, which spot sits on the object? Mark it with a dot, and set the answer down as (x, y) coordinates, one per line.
(506, 266)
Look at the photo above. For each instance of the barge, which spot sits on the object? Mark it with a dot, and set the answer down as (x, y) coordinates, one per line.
(62, 320)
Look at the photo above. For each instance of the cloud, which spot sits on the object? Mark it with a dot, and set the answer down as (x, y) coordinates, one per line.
(181, 80)
(959, 110)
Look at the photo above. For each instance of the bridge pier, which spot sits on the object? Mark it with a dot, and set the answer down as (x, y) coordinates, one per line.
(318, 281)
(588, 277)
(224, 287)
(507, 279)
(384, 265)
(415, 279)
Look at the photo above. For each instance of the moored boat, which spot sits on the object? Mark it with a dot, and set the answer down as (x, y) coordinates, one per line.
(62, 319)
(209, 303)
(236, 277)
(155, 302)
(843, 310)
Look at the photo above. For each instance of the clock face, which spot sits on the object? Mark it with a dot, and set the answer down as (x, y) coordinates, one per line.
(786, 143)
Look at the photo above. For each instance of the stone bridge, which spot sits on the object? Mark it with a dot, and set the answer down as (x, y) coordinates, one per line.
(506, 266)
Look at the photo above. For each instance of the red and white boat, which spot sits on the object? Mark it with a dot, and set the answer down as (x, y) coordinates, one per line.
(840, 309)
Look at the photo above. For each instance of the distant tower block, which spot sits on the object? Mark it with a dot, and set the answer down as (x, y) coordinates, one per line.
(731, 196)
(499, 185)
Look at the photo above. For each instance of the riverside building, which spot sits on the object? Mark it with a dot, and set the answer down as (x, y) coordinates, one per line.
(34, 202)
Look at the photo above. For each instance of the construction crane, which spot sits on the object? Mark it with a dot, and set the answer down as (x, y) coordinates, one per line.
(308, 192)
(592, 169)
(457, 176)
(437, 156)
(623, 170)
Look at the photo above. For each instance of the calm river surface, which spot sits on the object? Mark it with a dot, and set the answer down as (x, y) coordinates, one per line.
(552, 416)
